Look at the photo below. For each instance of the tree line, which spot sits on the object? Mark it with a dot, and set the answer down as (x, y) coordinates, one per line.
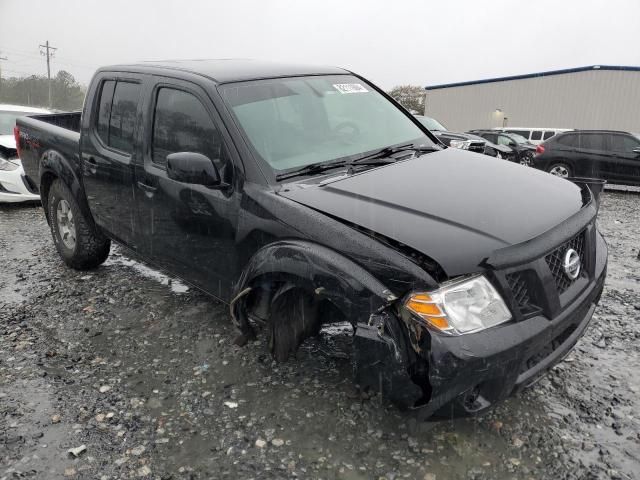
(66, 93)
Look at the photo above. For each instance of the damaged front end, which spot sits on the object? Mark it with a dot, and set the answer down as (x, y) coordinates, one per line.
(387, 361)
(418, 364)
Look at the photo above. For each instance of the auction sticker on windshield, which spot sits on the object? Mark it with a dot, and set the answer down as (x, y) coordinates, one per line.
(350, 88)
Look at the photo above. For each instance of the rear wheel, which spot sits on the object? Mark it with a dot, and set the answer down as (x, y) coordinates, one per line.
(77, 242)
(560, 170)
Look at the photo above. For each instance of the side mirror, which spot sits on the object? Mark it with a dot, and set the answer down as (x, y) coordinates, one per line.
(194, 168)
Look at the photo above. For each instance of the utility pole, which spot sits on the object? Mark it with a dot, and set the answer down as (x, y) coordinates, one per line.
(1, 58)
(49, 52)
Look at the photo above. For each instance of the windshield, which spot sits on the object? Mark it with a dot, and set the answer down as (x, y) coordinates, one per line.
(517, 138)
(295, 122)
(8, 121)
(431, 123)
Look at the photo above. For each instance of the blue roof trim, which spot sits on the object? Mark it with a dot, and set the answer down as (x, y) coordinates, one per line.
(534, 75)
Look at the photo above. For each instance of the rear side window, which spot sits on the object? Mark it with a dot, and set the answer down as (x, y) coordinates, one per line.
(123, 116)
(117, 112)
(623, 143)
(104, 110)
(548, 135)
(182, 124)
(592, 141)
(536, 135)
(568, 140)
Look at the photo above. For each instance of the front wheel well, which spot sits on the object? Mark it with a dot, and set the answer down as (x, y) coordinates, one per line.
(266, 293)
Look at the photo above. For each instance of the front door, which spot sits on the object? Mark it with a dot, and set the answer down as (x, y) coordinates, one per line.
(188, 229)
(109, 150)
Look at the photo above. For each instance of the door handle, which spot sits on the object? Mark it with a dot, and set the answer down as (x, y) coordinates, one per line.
(148, 189)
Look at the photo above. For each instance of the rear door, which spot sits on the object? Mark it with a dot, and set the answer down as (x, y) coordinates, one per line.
(109, 147)
(594, 159)
(188, 229)
(625, 149)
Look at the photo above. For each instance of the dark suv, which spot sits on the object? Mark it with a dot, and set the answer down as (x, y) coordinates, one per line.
(610, 155)
(524, 150)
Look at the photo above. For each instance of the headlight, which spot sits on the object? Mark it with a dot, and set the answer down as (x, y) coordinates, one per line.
(6, 165)
(461, 306)
(461, 144)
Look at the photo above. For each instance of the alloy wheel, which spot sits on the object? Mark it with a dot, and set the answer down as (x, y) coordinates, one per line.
(559, 171)
(66, 225)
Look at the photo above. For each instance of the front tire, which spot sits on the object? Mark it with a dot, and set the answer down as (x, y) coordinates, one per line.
(293, 317)
(560, 170)
(78, 243)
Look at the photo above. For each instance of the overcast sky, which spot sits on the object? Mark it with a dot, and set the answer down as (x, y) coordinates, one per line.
(391, 42)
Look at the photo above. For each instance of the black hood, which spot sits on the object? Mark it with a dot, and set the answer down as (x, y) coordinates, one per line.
(448, 205)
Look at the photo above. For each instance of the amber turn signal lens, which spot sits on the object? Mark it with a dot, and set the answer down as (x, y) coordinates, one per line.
(426, 308)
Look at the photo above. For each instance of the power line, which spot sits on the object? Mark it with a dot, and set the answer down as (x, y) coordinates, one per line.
(49, 52)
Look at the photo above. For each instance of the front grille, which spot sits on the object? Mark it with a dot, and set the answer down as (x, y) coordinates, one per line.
(555, 261)
(521, 290)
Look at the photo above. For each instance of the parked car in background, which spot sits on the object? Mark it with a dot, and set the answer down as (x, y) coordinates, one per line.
(524, 150)
(609, 155)
(14, 186)
(494, 150)
(453, 139)
(535, 135)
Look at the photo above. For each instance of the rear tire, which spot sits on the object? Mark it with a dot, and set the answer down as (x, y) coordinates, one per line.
(293, 317)
(560, 169)
(78, 243)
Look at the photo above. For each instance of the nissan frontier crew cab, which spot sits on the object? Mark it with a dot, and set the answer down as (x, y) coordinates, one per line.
(302, 196)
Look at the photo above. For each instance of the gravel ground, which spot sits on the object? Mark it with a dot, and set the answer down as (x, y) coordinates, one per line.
(125, 373)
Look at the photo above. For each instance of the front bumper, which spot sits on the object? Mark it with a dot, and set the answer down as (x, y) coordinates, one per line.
(463, 375)
(472, 372)
(13, 187)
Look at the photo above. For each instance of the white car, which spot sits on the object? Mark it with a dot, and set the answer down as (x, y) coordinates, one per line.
(535, 135)
(12, 183)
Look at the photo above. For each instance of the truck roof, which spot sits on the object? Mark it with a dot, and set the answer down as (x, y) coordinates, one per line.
(228, 70)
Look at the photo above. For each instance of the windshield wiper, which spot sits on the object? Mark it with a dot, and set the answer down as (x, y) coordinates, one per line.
(380, 157)
(311, 169)
(388, 151)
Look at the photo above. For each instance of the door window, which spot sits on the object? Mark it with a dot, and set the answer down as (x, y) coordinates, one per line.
(117, 111)
(123, 116)
(536, 135)
(624, 143)
(592, 141)
(104, 110)
(568, 140)
(182, 124)
(548, 134)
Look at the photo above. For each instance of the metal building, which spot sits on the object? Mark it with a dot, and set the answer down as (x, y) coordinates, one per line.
(595, 97)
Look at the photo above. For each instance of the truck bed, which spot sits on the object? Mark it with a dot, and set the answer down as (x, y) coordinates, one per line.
(68, 121)
(39, 134)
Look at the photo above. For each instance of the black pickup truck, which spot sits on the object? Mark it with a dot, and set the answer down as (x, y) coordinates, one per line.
(303, 196)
